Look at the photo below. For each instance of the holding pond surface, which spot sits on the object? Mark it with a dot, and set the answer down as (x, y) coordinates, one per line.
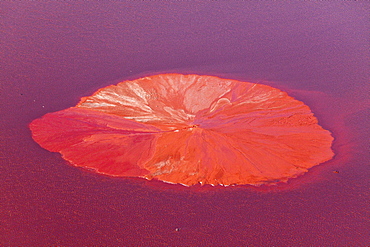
(188, 129)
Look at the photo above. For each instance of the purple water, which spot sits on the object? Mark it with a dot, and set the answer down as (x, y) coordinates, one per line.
(52, 54)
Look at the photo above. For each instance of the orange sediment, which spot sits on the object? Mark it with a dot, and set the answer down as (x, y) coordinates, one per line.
(188, 129)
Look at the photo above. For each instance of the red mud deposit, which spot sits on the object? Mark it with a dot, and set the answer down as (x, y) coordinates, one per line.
(188, 129)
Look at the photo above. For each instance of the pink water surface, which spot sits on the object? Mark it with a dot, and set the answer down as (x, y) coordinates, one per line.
(52, 54)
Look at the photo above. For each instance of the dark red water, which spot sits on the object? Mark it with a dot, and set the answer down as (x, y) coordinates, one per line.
(54, 53)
